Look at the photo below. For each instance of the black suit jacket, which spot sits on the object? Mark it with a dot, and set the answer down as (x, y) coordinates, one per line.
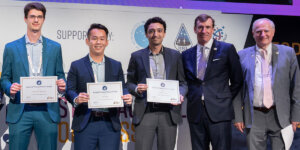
(223, 65)
(139, 70)
(80, 74)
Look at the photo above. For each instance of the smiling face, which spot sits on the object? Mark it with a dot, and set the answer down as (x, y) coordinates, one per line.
(97, 42)
(155, 34)
(34, 20)
(263, 33)
(204, 31)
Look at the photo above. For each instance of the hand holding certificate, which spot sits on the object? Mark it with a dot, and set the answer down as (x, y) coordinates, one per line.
(39, 89)
(105, 94)
(163, 91)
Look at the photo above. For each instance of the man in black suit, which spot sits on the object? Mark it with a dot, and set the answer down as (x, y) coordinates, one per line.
(95, 127)
(158, 62)
(209, 67)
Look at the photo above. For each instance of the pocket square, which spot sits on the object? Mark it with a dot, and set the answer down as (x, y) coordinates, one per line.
(216, 59)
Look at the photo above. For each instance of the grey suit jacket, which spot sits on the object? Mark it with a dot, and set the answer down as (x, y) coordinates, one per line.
(285, 85)
(139, 69)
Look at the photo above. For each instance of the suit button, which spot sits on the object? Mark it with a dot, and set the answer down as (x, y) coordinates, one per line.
(203, 83)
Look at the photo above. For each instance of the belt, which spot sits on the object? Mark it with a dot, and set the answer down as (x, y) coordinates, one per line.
(97, 116)
(158, 107)
(264, 109)
(35, 104)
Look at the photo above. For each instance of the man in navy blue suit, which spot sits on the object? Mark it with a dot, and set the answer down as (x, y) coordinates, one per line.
(213, 73)
(95, 127)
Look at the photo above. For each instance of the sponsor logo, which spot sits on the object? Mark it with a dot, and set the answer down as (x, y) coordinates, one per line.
(220, 34)
(183, 40)
(162, 84)
(138, 36)
(104, 88)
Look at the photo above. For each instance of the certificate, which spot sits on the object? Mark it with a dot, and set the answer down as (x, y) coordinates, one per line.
(163, 91)
(105, 94)
(39, 89)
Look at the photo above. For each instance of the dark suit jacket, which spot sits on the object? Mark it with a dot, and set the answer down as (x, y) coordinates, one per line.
(15, 65)
(139, 70)
(223, 65)
(80, 74)
(285, 85)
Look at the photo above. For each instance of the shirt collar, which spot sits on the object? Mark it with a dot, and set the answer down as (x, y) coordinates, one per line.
(269, 48)
(208, 45)
(92, 61)
(160, 52)
(28, 42)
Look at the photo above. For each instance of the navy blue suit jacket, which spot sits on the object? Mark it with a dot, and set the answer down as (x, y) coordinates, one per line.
(80, 74)
(223, 66)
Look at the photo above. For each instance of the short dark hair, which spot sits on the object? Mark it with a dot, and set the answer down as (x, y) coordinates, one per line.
(97, 26)
(37, 6)
(155, 20)
(203, 18)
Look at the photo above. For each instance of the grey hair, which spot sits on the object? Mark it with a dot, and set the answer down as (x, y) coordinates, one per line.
(263, 19)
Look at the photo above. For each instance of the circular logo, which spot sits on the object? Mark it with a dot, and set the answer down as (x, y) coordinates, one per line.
(138, 36)
(38, 82)
(104, 88)
(162, 84)
(219, 33)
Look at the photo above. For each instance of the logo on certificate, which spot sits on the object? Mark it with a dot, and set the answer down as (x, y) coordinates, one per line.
(38, 82)
(104, 88)
(162, 84)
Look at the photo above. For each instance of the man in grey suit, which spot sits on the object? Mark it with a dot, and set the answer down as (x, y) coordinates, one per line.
(270, 97)
(158, 62)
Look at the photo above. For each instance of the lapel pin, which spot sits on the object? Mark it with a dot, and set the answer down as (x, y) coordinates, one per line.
(215, 48)
(277, 53)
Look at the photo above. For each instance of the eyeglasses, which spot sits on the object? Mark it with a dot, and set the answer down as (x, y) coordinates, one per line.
(40, 17)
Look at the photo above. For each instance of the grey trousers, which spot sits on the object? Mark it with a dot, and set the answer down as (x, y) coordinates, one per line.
(159, 124)
(264, 125)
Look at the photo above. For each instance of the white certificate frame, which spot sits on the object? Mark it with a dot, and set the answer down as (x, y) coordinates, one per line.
(105, 94)
(41, 89)
(163, 91)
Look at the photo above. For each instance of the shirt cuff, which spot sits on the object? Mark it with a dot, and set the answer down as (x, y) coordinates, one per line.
(137, 93)
(75, 104)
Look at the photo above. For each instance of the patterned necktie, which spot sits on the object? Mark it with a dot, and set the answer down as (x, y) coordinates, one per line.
(202, 64)
(267, 99)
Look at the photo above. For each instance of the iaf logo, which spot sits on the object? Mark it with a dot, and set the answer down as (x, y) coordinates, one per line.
(162, 84)
(104, 88)
(38, 82)
(138, 36)
(219, 33)
(183, 40)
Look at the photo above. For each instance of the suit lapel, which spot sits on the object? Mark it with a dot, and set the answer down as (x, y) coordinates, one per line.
(251, 61)
(275, 54)
(145, 59)
(45, 54)
(23, 54)
(213, 50)
(194, 60)
(167, 61)
(88, 65)
(107, 69)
